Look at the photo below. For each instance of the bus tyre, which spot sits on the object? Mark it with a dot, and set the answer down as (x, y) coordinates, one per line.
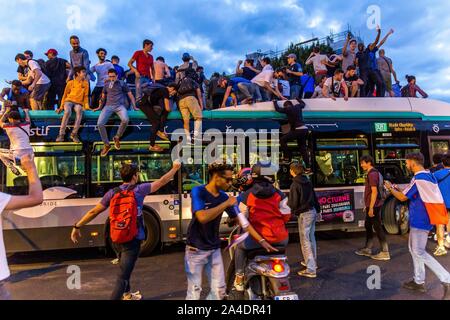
(152, 234)
(395, 217)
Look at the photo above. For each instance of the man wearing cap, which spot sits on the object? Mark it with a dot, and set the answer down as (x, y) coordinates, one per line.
(294, 72)
(186, 64)
(56, 69)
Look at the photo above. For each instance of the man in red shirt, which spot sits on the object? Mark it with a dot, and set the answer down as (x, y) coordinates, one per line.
(144, 70)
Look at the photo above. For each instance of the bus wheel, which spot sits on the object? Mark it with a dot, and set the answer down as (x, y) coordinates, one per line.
(395, 217)
(152, 234)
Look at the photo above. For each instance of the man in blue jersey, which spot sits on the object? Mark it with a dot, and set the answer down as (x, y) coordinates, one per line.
(203, 241)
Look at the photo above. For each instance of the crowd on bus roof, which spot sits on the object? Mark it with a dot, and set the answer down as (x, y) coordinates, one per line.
(155, 88)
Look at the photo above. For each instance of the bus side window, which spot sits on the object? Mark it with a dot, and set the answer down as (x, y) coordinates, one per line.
(390, 154)
(54, 171)
(337, 161)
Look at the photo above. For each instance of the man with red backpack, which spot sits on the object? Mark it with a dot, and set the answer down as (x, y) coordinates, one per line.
(126, 222)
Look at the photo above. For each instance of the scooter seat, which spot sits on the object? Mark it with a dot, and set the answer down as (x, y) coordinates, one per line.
(252, 254)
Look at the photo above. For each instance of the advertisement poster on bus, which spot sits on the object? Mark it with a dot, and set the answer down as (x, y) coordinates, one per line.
(337, 205)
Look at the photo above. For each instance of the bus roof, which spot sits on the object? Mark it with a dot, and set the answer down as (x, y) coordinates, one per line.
(356, 108)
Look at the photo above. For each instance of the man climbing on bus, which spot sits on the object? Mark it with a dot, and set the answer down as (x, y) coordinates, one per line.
(298, 131)
(155, 104)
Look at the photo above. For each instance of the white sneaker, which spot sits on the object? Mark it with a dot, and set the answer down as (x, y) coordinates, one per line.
(115, 261)
(132, 296)
(239, 286)
(440, 251)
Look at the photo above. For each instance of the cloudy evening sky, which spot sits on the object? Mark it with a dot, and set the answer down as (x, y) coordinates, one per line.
(220, 32)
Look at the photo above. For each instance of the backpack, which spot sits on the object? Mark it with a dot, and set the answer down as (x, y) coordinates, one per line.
(186, 85)
(42, 66)
(192, 74)
(383, 194)
(123, 216)
(397, 90)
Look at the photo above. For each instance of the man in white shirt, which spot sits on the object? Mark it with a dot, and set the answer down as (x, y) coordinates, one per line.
(264, 82)
(319, 61)
(8, 202)
(38, 83)
(335, 86)
(101, 68)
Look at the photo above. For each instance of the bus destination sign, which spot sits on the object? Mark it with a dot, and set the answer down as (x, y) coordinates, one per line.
(381, 127)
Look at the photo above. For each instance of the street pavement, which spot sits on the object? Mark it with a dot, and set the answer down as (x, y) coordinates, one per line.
(342, 274)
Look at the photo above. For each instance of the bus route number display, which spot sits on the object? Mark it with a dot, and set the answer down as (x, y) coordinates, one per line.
(381, 127)
(337, 205)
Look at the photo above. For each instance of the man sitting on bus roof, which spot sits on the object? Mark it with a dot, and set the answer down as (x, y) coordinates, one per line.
(76, 97)
(334, 86)
(353, 81)
(113, 101)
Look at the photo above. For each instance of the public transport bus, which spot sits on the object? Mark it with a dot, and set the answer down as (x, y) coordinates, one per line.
(75, 177)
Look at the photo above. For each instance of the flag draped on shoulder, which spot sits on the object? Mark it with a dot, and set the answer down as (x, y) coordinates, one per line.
(431, 196)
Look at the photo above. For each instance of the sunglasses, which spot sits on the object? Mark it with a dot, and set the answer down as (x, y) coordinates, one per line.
(227, 179)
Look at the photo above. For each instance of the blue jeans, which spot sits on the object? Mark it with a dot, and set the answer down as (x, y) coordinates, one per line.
(128, 254)
(195, 261)
(247, 89)
(139, 83)
(417, 247)
(250, 244)
(307, 228)
(68, 106)
(261, 94)
(295, 91)
(106, 113)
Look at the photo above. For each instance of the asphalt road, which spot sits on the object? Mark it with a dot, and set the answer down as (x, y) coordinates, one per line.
(342, 274)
